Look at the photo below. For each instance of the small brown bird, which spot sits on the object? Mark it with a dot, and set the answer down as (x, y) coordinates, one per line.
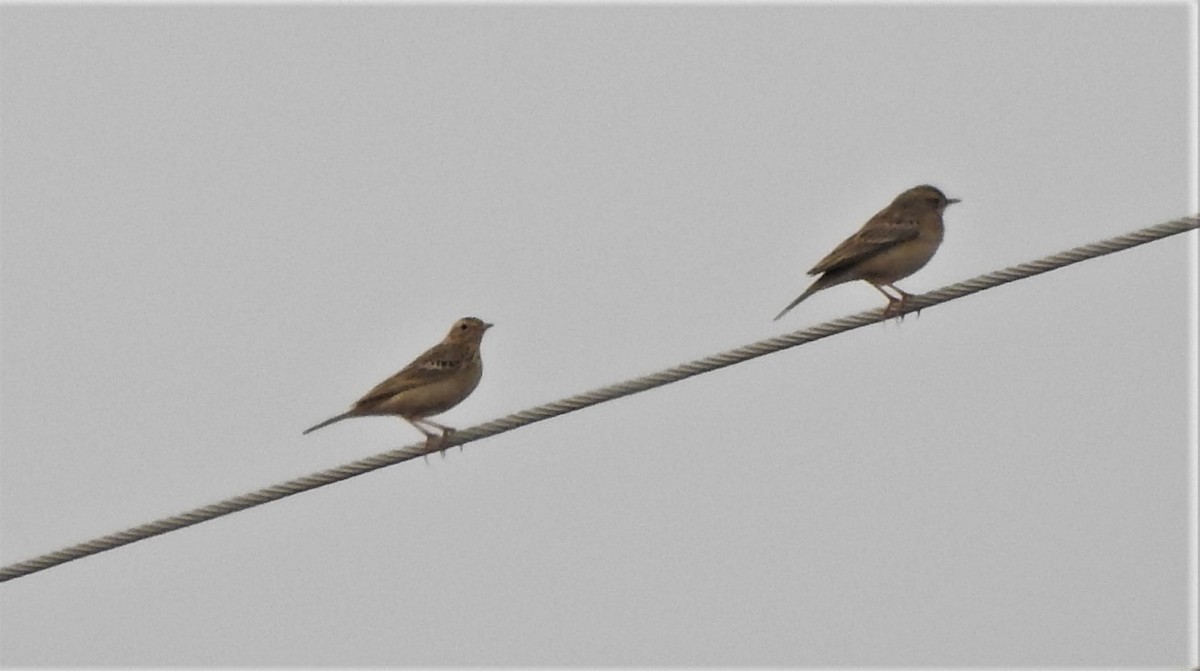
(893, 244)
(433, 383)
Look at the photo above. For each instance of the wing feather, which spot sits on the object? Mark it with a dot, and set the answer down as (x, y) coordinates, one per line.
(439, 362)
(883, 231)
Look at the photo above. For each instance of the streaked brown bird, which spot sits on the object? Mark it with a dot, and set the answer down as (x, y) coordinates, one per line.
(893, 244)
(433, 383)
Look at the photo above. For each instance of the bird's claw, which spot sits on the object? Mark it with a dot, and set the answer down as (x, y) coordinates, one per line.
(434, 443)
(896, 308)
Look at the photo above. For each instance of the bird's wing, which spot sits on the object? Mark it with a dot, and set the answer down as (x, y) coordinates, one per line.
(883, 231)
(438, 363)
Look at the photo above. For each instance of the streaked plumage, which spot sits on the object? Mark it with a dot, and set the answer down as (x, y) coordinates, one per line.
(893, 244)
(433, 383)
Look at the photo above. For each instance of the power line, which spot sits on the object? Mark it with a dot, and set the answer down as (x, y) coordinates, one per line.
(601, 395)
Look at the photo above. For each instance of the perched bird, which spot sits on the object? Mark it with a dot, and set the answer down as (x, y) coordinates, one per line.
(433, 383)
(893, 244)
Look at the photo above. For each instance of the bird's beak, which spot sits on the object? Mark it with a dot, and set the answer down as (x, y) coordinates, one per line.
(487, 326)
(951, 201)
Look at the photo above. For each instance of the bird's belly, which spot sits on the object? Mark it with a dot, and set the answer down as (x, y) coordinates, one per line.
(435, 398)
(898, 262)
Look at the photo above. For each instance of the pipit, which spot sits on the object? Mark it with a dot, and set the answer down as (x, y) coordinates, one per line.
(433, 383)
(893, 244)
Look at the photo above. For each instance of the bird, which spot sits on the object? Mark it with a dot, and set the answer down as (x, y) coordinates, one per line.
(434, 382)
(893, 244)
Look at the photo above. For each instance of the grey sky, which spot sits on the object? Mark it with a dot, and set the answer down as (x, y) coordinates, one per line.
(220, 225)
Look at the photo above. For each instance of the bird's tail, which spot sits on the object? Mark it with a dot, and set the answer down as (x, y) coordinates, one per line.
(825, 281)
(807, 292)
(331, 420)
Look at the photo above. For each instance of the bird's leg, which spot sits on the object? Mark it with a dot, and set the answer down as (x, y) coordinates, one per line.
(432, 440)
(435, 443)
(446, 430)
(904, 296)
(894, 304)
(442, 427)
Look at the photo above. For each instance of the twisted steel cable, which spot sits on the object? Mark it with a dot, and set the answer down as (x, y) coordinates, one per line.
(601, 395)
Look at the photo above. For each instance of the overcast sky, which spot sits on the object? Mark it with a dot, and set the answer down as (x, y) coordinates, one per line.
(220, 225)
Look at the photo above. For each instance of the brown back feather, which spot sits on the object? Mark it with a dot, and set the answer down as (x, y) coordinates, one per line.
(886, 229)
(441, 360)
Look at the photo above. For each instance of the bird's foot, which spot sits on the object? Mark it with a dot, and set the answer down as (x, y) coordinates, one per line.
(433, 444)
(895, 308)
(441, 440)
(446, 433)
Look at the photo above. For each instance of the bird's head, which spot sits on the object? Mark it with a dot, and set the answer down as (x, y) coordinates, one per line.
(926, 196)
(468, 329)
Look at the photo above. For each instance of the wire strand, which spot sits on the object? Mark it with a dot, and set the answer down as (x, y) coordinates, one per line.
(601, 395)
